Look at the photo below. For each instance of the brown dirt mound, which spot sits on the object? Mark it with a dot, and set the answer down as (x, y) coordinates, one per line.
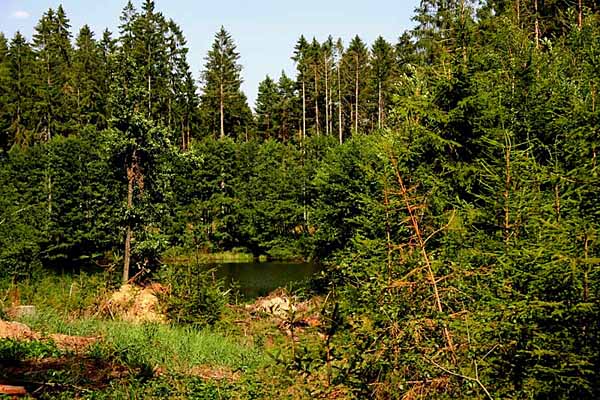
(19, 331)
(211, 373)
(136, 304)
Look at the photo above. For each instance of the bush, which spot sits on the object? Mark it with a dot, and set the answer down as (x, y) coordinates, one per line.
(195, 297)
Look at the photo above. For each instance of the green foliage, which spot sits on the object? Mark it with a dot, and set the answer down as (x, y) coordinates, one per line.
(14, 351)
(193, 297)
(223, 107)
(461, 238)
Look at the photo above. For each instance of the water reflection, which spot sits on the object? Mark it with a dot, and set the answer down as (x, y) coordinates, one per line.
(255, 279)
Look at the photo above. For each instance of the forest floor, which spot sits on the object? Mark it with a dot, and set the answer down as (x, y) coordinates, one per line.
(58, 352)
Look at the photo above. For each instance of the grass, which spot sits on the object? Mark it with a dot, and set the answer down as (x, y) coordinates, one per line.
(175, 348)
(231, 360)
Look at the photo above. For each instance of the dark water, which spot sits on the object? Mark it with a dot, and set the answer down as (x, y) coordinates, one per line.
(254, 279)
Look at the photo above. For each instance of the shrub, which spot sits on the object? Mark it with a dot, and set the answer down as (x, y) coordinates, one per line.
(195, 297)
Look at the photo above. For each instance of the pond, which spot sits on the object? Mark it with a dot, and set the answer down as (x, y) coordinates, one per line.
(255, 279)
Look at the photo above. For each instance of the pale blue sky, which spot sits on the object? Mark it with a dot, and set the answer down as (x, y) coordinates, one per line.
(264, 30)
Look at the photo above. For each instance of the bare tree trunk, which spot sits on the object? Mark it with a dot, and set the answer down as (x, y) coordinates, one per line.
(49, 83)
(326, 64)
(131, 171)
(379, 106)
(330, 109)
(506, 194)
(303, 110)
(149, 96)
(356, 99)
(183, 141)
(170, 112)
(340, 128)
(221, 110)
(317, 102)
(462, 20)
(188, 133)
(580, 14)
(537, 25)
(413, 218)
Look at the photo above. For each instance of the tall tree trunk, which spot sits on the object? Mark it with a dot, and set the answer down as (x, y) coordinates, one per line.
(340, 128)
(49, 85)
(131, 171)
(356, 99)
(331, 109)
(317, 102)
(379, 105)
(188, 133)
(580, 14)
(183, 141)
(149, 97)
(303, 110)
(221, 110)
(537, 25)
(507, 184)
(325, 63)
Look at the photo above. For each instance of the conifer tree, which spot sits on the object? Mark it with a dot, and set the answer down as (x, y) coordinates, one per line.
(182, 100)
(315, 60)
(87, 76)
(223, 106)
(267, 104)
(339, 58)
(382, 66)
(356, 74)
(52, 43)
(107, 47)
(288, 108)
(327, 50)
(301, 59)
(5, 119)
(22, 94)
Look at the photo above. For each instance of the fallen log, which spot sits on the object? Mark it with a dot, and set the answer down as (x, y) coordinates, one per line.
(13, 390)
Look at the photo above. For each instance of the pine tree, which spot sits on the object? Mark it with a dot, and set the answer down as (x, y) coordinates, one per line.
(315, 61)
(5, 119)
(222, 101)
(288, 113)
(267, 104)
(106, 71)
(405, 52)
(22, 94)
(52, 43)
(182, 101)
(327, 50)
(87, 72)
(383, 71)
(300, 57)
(339, 58)
(356, 75)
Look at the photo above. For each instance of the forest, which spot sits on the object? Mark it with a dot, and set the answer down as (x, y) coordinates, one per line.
(447, 182)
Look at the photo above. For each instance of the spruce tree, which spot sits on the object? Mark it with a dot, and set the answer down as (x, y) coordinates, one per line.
(87, 76)
(288, 110)
(55, 98)
(223, 106)
(24, 121)
(383, 71)
(356, 74)
(301, 59)
(5, 119)
(267, 104)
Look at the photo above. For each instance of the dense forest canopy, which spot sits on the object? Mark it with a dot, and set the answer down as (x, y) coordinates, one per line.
(449, 179)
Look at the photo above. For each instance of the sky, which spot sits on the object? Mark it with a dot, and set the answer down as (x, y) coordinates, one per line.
(265, 31)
